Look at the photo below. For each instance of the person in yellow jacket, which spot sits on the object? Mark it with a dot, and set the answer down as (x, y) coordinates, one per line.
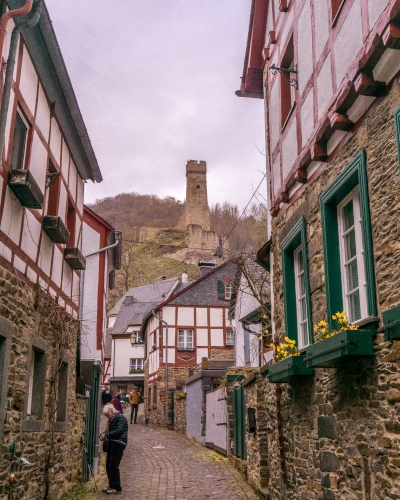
(134, 399)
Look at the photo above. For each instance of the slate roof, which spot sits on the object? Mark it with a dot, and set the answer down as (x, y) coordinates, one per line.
(138, 302)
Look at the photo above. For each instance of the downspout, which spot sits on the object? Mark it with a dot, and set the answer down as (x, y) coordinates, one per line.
(166, 353)
(11, 14)
(12, 57)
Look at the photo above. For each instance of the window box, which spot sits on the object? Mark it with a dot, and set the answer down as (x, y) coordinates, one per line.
(74, 258)
(288, 369)
(136, 371)
(342, 346)
(138, 343)
(186, 348)
(55, 229)
(25, 188)
(391, 317)
(232, 377)
(229, 344)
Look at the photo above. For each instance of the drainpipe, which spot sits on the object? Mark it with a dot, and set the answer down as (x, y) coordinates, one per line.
(254, 333)
(11, 14)
(12, 57)
(166, 353)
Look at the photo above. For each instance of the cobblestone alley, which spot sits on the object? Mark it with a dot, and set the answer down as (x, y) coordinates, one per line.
(163, 465)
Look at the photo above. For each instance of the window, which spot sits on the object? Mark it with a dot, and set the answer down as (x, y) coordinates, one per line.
(137, 336)
(228, 290)
(296, 288)
(62, 403)
(36, 384)
(301, 299)
(19, 142)
(149, 397)
(137, 364)
(229, 337)
(185, 339)
(347, 241)
(155, 395)
(287, 91)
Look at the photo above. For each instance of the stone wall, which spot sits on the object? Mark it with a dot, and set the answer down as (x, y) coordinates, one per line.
(31, 438)
(180, 412)
(222, 354)
(341, 427)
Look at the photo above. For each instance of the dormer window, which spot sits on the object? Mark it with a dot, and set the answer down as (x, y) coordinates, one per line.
(228, 290)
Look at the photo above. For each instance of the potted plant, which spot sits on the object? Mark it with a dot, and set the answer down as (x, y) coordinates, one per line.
(344, 341)
(289, 363)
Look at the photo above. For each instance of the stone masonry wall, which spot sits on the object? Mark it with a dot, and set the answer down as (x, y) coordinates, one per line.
(222, 354)
(17, 305)
(180, 412)
(342, 426)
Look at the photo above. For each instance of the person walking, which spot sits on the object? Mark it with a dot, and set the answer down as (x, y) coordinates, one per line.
(117, 403)
(134, 400)
(115, 439)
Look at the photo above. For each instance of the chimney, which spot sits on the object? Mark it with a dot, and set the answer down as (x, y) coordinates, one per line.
(128, 299)
(206, 267)
(185, 277)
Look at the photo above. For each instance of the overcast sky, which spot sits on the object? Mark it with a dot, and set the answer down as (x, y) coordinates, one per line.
(156, 82)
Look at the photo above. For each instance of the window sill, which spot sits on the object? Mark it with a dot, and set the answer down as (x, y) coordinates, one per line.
(31, 425)
(191, 349)
(229, 344)
(288, 116)
(136, 371)
(367, 321)
(137, 343)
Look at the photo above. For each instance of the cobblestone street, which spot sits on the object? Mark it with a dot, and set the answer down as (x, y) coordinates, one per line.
(162, 465)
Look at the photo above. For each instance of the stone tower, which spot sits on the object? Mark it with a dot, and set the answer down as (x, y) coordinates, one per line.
(197, 211)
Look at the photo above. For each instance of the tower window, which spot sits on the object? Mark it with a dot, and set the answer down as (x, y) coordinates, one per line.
(198, 187)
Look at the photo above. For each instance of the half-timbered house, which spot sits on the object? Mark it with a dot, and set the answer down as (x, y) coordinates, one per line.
(328, 71)
(46, 159)
(196, 315)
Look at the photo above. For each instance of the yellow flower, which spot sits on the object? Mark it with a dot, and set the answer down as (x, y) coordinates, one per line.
(324, 330)
(339, 315)
(287, 339)
(334, 316)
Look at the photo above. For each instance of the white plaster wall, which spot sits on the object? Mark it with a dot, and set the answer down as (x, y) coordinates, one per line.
(29, 81)
(171, 336)
(286, 28)
(200, 354)
(201, 316)
(171, 356)
(30, 235)
(216, 316)
(334, 140)
(276, 174)
(202, 336)
(307, 117)
(62, 203)
(375, 9)
(289, 149)
(270, 25)
(304, 55)
(388, 66)
(73, 174)
(186, 316)
(274, 115)
(359, 107)
(136, 352)
(58, 259)
(12, 216)
(46, 250)
(321, 26)
(65, 161)
(168, 314)
(43, 114)
(55, 140)
(19, 264)
(324, 86)
(348, 42)
(79, 198)
(111, 321)
(76, 289)
(122, 357)
(217, 337)
(67, 279)
(38, 162)
(31, 274)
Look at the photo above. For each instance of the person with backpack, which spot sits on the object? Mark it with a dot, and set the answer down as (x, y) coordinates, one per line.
(115, 439)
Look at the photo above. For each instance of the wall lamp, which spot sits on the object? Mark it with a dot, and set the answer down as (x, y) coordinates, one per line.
(292, 81)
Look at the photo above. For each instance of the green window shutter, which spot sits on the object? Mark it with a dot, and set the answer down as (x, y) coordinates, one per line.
(295, 238)
(221, 290)
(354, 174)
(396, 115)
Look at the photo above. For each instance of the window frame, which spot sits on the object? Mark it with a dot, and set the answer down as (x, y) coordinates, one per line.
(299, 296)
(185, 347)
(61, 425)
(294, 239)
(133, 370)
(228, 294)
(28, 126)
(354, 174)
(232, 343)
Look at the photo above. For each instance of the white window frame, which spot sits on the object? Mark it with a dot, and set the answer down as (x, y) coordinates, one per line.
(136, 364)
(186, 344)
(28, 127)
(228, 290)
(298, 272)
(230, 342)
(354, 196)
(30, 384)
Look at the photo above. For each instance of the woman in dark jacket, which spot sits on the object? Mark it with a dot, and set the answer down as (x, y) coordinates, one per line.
(117, 435)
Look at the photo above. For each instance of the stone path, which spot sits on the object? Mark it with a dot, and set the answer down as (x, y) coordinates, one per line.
(163, 465)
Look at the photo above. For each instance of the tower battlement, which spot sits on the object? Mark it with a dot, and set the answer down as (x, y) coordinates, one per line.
(196, 167)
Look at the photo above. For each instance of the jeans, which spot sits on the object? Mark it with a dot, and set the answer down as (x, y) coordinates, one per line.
(114, 456)
(134, 410)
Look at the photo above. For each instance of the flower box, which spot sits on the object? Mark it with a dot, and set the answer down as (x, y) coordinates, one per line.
(26, 189)
(344, 345)
(75, 258)
(288, 370)
(55, 229)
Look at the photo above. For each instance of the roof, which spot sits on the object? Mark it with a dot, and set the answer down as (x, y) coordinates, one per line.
(182, 287)
(48, 60)
(143, 300)
(108, 345)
